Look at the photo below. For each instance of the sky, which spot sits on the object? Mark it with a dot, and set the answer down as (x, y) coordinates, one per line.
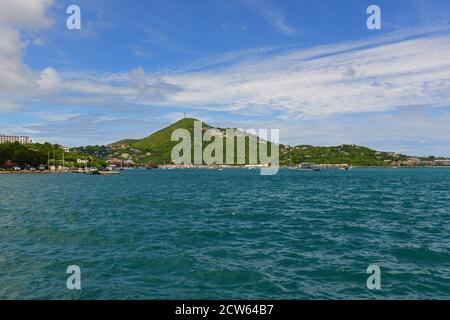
(311, 69)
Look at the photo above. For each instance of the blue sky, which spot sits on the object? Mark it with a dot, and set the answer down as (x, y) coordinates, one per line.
(310, 68)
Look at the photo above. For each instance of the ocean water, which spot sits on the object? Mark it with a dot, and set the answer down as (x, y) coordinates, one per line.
(231, 234)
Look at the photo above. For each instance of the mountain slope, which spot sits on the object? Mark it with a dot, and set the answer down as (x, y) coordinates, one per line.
(348, 154)
(161, 140)
(157, 149)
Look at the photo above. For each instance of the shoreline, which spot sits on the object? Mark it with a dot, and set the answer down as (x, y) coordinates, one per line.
(27, 172)
(30, 172)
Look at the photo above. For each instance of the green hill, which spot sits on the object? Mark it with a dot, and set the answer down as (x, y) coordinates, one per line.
(343, 154)
(160, 141)
(157, 149)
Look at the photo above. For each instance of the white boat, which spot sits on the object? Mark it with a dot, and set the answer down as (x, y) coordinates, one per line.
(309, 167)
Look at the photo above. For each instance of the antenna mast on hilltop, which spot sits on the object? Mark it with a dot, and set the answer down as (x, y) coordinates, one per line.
(184, 115)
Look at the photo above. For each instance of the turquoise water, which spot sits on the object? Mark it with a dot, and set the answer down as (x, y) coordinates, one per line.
(232, 234)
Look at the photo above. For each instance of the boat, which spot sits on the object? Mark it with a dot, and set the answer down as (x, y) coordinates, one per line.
(107, 172)
(92, 172)
(308, 167)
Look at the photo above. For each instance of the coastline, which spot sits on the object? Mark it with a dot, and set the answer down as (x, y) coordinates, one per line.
(28, 172)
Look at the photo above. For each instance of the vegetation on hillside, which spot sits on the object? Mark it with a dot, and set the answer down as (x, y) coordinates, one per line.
(157, 148)
(344, 154)
(36, 154)
(100, 152)
(12, 154)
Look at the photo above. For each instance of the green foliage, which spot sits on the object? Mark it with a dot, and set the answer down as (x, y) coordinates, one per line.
(344, 154)
(100, 152)
(37, 154)
(19, 154)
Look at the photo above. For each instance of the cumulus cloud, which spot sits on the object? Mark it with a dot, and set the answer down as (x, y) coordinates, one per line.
(365, 76)
(17, 16)
(15, 74)
(25, 14)
(405, 68)
(375, 75)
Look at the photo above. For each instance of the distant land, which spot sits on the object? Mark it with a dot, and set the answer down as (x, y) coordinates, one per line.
(156, 149)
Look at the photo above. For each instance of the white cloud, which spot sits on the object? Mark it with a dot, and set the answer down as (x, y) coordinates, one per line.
(231, 57)
(17, 16)
(413, 131)
(25, 14)
(373, 75)
(316, 82)
(14, 75)
(273, 15)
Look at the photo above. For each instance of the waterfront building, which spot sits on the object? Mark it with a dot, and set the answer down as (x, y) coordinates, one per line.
(20, 139)
(442, 162)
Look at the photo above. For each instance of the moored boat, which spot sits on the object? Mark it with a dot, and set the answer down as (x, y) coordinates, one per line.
(309, 167)
(108, 172)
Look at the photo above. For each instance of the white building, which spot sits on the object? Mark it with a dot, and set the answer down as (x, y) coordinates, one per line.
(20, 139)
(442, 162)
(65, 148)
